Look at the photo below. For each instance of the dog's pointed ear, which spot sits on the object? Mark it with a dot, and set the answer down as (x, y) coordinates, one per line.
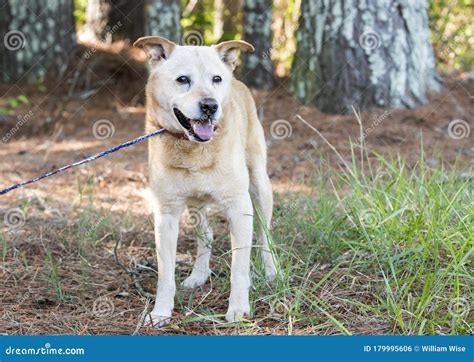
(156, 47)
(228, 50)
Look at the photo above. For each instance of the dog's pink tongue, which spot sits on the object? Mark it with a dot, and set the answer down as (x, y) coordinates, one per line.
(204, 130)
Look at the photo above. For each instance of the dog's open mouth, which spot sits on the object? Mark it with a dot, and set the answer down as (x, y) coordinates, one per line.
(202, 129)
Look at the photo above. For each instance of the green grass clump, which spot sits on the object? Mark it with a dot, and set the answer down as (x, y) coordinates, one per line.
(381, 243)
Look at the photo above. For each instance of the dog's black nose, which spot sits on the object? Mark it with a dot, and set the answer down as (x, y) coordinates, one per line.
(208, 106)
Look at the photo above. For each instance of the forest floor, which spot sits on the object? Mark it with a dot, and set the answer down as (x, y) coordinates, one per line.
(59, 273)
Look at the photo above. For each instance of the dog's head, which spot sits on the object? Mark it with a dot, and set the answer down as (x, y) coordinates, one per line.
(190, 84)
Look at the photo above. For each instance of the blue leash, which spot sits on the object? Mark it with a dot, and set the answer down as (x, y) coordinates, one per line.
(86, 160)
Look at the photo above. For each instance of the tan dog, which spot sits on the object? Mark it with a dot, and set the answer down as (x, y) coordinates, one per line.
(214, 152)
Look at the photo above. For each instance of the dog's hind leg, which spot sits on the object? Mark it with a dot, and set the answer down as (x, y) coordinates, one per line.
(204, 236)
(261, 192)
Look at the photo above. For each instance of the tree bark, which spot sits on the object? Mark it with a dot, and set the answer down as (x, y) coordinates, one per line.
(112, 20)
(97, 18)
(232, 19)
(257, 68)
(375, 53)
(7, 57)
(131, 15)
(163, 18)
(284, 26)
(36, 37)
(218, 26)
(227, 19)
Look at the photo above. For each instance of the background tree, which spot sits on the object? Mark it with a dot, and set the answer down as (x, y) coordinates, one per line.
(36, 36)
(112, 20)
(197, 21)
(257, 68)
(452, 28)
(284, 25)
(97, 18)
(163, 18)
(378, 54)
(7, 57)
(227, 19)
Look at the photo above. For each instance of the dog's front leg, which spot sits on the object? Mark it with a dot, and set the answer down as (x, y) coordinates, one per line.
(240, 215)
(166, 236)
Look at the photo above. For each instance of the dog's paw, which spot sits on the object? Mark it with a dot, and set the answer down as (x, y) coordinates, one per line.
(196, 279)
(158, 319)
(235, 314)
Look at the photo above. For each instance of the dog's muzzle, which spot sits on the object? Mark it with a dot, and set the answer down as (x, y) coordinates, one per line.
(202, 129)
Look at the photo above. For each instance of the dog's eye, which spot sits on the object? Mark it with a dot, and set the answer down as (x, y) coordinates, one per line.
(216, 79)
(183, 80)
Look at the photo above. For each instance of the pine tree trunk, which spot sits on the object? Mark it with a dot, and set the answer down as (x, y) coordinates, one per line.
(112, 20)
(129, 13)
(232, 18)
(163, 18)
(257, 68)
(199, 12)
(7, 57)
(218, 26)
(97, 18)
(284, 26)
(35, 38)
(227, 18)
(376, 54)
